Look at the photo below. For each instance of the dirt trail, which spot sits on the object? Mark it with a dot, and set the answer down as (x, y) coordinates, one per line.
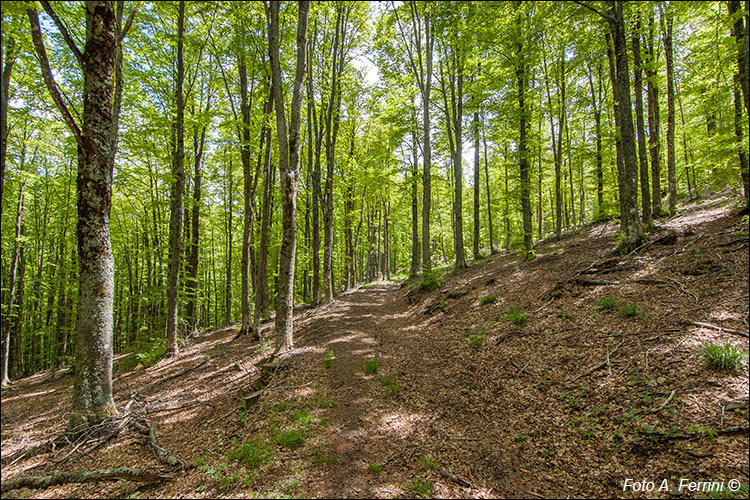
(461, 388)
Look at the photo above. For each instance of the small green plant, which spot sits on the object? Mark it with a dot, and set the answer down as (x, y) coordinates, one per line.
(419, 487)
(430, 463)
(517, 315)
(545, 452)
(629, 310)
(392, 387)
(319, 457)
(703, 432)
(607, 303)
(291, 439)
(371, 367)
(570, 398)
(322, 401)
(475, 341)
(303, 417)
(520, 438)
(252, 453)
(328, 359)
(264, 346)
(488, 299)
(374, 468)
(723, 357)
(431, 281)
(281, 406)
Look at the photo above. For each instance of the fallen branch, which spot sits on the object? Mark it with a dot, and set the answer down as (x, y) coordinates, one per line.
(665, 403)
(455, 479)
(161, 454)
(598, 366)
(90, 476)
(594, 281)
(693, 435)
(714, 327)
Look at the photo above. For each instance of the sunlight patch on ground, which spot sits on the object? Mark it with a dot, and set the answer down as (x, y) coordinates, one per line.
(399, 423)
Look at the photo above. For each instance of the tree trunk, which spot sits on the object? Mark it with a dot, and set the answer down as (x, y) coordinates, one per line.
(426, 144)
(640, 126)
(178, 170)
(654, 132)
(522, 155)
(262, 301)
(476, 186)
(192, 271)
(12, 278)
(741, 81)
(489, 201)
(228, 316)
(415, 250)
(630, 223)
(6, 61)
(671, 171)
(289, 147)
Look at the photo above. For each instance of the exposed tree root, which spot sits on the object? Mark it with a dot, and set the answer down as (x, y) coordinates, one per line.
(89, 476)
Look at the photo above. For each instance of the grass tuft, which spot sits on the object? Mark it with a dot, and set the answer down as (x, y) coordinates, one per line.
(723, 357)
(475, 341)
(607, 303)
(488, 299)
(291, 439)
(420, 487)
(517, 315)
(629, 310)
(371, 367)
(252, 453)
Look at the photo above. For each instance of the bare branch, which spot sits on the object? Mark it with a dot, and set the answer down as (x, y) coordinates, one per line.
(63, 31)
(129, 22)
(603, 16)
(41, 51)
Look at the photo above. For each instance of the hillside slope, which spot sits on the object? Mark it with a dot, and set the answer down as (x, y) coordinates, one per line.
(567, 403)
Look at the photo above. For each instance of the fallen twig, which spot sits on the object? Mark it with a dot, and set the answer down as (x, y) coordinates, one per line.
(159, 452)
(598, 366)
(61, 477)
(455, 479)
(665, 403)
(714, 327)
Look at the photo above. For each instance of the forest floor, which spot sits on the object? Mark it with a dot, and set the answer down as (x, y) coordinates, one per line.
(569, 403)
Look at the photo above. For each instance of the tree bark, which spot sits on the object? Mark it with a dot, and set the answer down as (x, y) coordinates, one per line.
(630, 223)
(7, 59)
(178, 186)
(12, 279)
(640, 126)
(740, 80)
(476, 187)
(671, 171)
(414, 173)
(489, 201)
(262, 301)
(654, 132)
(289, 147)
(522, 77)
(192, 271)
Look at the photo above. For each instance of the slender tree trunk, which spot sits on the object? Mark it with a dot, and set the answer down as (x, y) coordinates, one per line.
(6, 61)
(228, 315)
(741, 81)
(654, 132)
(12, 280)
(415, 250)
(476, 186)
(178, 170)
(192, 285)
(522, 154)
(489, 201)
(289, 147)
(426, 145)
(262, 305)
(742, 145)
(671, 171)
(640, 126)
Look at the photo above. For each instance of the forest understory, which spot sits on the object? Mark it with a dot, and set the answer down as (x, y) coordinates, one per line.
(511, 379)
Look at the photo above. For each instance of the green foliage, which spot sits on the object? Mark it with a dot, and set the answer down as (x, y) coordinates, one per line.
(392, 387)
(519, 438)
(419, 487)
(252, 453)
(430, 282)
(152, 355)
(374, 468)
(703, 432)
(281, 406)
(475, 340)
(607, 303)
(517, 315)
(291, 439)
(303, 417)
(328, 359)
(322, 401)
(429, 462)
(319, 457)
(371, 367)
(488, 299)
(724, 357)
(629, 310)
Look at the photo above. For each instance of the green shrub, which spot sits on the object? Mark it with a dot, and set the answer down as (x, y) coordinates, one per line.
(281, 406)
(430, 463)
(606, 303)
(629, 310)
(488, 299)
(374, 468)
(371, 367)
(519, 438)
(291, 439)
(418, 488)
(252, 453)
(475, 341)
(517, 315)
(328, 359)
(153, 355)
(723, 357)
(302, 417)
(431, 281)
